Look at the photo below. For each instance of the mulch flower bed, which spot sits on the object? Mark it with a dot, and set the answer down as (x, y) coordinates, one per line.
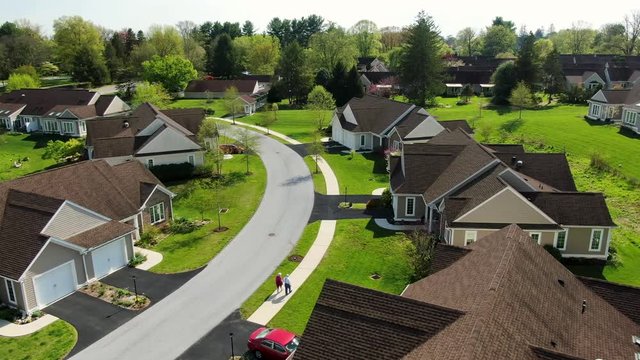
(120, 297)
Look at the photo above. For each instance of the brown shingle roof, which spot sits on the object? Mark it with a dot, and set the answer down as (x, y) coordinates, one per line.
(551, 169)
(452, 125)
(509, 290)
(622, 297)
(28, 203)
(101, 234)
(39, 101)
(372, 113)
(22, 217)
(243, 86)
(573, 208)
(346, 315)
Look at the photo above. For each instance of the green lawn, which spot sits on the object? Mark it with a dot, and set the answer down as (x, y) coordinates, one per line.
(19, 146)
(52, 342)
(561, 126)
(184, 252)
(319, 185)
(217, 105)
(286, 267)
(359, 249)
(298, 124)
(360, 173)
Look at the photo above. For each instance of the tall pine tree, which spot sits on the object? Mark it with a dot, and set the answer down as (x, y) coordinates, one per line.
(294, 69)
(526, 67)
(552, 75)
(421, 68)
(221, 60)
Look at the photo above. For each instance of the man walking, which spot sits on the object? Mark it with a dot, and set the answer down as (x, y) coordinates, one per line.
(287, 285)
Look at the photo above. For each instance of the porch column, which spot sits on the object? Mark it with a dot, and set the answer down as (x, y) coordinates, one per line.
(430, 210)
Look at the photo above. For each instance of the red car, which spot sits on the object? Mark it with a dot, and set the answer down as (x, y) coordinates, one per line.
(272, 344)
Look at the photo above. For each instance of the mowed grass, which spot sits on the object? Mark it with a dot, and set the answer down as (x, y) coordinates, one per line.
(297, 124)
(319, 184)
(183, 252)
(359, 173)
(359, 249)
(217, 105)
(15, 147)
(54, 341)
(286, 267)
(562, 126)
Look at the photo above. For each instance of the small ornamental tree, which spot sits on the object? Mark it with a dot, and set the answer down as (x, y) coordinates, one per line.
(209, 136)
(420, 252)
(270, 116)
(249, 142)
(316, 148)
(152, 93)
(63, 151)
(521, 97)
(467, 93)
(21, 81)
(319, 101)
(232, 103)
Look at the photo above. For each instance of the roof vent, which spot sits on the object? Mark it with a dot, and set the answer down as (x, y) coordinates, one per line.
(125, 124)
(636, 340)
(513, 159)
(561, 282)
(584, 306)
(519, 164)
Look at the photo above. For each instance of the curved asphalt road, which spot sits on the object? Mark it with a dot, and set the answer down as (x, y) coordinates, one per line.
(168, 328)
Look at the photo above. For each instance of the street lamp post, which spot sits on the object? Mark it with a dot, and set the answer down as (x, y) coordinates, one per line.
(135, 286)
(231, 338)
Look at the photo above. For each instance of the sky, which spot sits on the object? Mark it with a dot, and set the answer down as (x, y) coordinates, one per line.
(449, 16)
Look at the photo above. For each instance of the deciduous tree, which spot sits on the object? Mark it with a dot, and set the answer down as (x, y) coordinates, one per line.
(258, 54)
(316, 148)
(499, 39)
(270, 116)
(420, 250)
(505, 79)
(332, 47)
(466, 41)
(367, 38)
(521, 97)
(21, 81)
(152, 93)
(166, 40)
(249, 142)
(173, 72)
(73, 35)
(295, 72)
(320, 101)
(232, 103)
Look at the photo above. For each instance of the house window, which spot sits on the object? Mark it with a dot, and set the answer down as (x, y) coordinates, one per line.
(51, 126)
(150, 163)
(82, 125)
(192, 160)
(396, 145)
(630, 117)
(410, 206)
(595, 110)
(470, 237)
(10, 291)
(362, 140)
(67, 127)
(535, 236)
(157, 213)
(596, 239)
(561, 240)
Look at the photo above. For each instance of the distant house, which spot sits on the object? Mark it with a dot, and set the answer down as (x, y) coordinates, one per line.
(66, 227)
(609, 105)
(148, 135)
(374, 123)
(474, 71)
(607, 72)
(379, 82)
(249, 104)
(214, 89)
(631, 117)
(462, 190)
(371, 64)
(502, 297)
(56, 111)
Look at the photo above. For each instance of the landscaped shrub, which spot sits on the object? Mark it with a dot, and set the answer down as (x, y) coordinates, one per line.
(173, 172)
(181, 226)
(373, 203)
(137, 259)
(553, 251)
(386, 198)
(9, 314)
(149, 238)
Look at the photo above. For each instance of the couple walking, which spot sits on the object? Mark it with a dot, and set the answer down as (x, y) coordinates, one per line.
(287, 283)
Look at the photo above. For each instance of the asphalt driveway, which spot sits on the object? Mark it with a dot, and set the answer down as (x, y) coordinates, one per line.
(94, 318)
(217, 343)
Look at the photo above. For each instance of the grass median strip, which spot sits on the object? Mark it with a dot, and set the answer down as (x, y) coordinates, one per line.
(54, 341)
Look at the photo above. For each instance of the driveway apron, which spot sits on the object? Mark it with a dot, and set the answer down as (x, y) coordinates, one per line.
(170, 327)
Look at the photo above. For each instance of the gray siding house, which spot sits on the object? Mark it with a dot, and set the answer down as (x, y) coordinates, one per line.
(64, 228)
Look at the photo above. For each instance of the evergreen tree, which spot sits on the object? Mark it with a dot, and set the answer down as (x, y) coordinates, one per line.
(505, 79)
(420, 64)
(89, 66)
(221, 59)
(525, 63)
(247, 28)
(295, 72)
(553, 77)
(323, 76)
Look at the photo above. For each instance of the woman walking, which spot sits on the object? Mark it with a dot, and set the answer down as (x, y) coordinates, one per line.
(279, 282)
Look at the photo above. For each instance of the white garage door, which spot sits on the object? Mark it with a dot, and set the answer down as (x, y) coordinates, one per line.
(55, 284)
(109, 258)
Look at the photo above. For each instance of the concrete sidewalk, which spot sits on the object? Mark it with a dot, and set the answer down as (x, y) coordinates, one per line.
(13, 330)
(312, 259)
(153, 258)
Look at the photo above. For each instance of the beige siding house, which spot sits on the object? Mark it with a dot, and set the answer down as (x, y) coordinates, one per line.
(463, 191)
(67, 227)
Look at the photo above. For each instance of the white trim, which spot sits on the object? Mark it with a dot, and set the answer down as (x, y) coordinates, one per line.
(498, 228)
(395, 122)
(21, 278)
(604, 256)
(406, 206)
(162, 218)
(470, 232)
(524, 200)
(157, 187)
(110, 241)
(517, 175)
(405, 289)
(589, 226)
(531, 233)
(75, 281)
(13, 291)
(555, 239)
(68, 245)
(599, 243)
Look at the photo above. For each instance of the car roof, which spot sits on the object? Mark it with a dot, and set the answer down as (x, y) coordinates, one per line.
(280, 336)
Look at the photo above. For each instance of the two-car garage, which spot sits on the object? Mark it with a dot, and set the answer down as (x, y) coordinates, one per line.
(56, 283)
